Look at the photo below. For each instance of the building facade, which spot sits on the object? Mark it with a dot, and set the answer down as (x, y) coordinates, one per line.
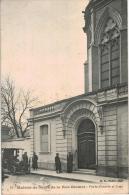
(9, 141)
(94, 125)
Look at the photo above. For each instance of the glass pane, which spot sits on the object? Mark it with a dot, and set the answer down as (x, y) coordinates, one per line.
(105, 83)
(110, 54)
(44, 130)
(115, 54)
(105, 75)
(104, 50)
(115, 80)
(104, 58)
(44, 138)
(115, 63)
(104, 67)
(115, 45)
(115, 72)
(44, 147)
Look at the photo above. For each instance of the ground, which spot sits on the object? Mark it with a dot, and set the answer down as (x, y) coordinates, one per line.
(31, 184)
(32, 178)
(19, 183)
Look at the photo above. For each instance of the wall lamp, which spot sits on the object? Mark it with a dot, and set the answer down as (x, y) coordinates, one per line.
(100, 112)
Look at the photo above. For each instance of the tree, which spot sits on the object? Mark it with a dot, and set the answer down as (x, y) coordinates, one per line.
(14, 107)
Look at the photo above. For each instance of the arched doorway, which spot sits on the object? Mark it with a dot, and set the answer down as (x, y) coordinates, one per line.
(86, 145)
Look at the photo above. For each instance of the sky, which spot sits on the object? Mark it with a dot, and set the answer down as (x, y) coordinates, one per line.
(44, 46)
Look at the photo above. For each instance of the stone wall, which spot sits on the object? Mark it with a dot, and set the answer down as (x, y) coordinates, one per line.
(113, 146)
(123, 139)
(110, 120)
(45, 160)
(21, 143)
(61, 143)
(58, 144)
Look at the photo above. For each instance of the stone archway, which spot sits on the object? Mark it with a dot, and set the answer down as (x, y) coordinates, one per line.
(72, 117)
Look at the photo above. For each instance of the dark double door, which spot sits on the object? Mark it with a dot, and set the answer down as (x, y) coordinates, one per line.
(86, 145)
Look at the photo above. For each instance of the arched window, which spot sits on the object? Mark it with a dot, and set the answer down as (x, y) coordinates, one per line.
(44, 138)
(110, 54)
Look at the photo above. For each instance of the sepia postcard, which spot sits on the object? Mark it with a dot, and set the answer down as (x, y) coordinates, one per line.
(64, 97)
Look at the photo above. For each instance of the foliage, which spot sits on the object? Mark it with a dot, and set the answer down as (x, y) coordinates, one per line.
(14, 107)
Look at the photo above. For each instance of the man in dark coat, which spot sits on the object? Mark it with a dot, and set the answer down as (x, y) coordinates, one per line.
(69, 162)
(57, 163)
(34, 161)
(25, 161)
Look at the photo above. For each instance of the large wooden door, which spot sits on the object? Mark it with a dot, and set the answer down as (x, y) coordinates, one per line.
(86, 145)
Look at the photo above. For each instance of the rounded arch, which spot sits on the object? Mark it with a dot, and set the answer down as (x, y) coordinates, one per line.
(78, 121)
(77, 102)
(74, 113)
(82, 123)
(78, 116)
(108, 12)
(82, 107)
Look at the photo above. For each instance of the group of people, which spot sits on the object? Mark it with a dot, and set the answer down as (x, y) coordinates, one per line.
(69, 163)
(26, 161)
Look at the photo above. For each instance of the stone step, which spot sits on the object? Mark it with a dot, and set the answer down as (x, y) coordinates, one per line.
(86, 171)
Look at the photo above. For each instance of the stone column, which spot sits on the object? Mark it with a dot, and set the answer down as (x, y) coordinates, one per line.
(124, 56)
(86, 77)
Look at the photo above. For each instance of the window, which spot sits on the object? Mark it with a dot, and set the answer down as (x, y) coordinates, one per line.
(110, 54)
(44, 139)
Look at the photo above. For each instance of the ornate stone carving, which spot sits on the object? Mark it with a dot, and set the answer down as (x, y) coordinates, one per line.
(110, 32)
(112, 18)
(110, 25)
(77, 109)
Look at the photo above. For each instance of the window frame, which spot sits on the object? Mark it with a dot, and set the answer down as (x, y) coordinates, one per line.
(110, 68)
(49, 139)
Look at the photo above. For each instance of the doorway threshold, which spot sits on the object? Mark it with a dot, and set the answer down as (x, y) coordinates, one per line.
(86, 171)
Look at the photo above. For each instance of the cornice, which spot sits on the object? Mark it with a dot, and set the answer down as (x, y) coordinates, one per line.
(44, 117)
(116, 101)
(115, 93)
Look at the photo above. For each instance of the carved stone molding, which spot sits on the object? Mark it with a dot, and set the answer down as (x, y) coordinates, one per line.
(78, 110)
(116, 20)
(110, 33)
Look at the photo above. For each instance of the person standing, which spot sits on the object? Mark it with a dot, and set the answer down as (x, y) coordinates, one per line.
(69, 162)
(34, 161)
(25, 161)
(57, 163)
